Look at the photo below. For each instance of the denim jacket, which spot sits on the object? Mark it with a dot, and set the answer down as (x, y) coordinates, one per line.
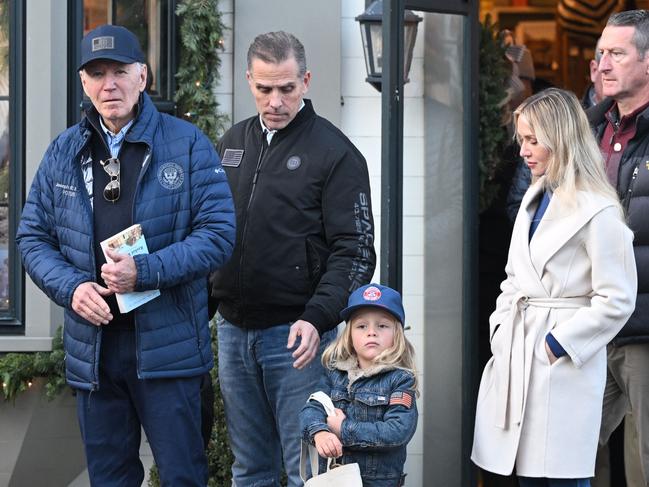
(381, 418)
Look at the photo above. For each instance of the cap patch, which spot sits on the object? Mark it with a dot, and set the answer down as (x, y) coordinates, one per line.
(372, 294)
(101, 43)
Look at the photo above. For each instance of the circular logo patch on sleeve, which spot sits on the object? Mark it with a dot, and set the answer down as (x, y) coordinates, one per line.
(372, 294)
(171, 175)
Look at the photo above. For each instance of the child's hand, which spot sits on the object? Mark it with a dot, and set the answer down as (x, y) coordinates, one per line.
(328, 444)
(335, 422)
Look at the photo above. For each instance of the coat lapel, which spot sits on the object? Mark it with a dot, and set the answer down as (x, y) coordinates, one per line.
(559, 224)
(528, 279)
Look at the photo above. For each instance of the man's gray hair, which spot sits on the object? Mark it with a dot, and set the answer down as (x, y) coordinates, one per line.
(277, 47)
(634, 18)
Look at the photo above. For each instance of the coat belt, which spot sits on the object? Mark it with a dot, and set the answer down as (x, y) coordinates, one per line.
(510, 369)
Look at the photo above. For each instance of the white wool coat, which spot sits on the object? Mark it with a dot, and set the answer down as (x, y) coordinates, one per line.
(577, 279)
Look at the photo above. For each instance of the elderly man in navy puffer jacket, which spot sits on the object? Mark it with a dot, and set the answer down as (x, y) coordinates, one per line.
(127, 164)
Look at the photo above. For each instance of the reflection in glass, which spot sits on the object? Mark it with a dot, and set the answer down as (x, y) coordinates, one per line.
(4, 48)
(444, 129)
(5, 288)
(147, 19)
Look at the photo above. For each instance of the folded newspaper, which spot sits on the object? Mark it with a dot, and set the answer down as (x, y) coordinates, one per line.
(129, 241)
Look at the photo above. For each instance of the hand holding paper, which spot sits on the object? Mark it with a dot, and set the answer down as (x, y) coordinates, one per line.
(121, 275)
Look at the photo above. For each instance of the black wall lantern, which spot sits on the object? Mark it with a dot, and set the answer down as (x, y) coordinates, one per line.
(372, 34)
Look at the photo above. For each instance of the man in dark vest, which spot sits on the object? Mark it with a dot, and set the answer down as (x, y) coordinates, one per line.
(621, 123)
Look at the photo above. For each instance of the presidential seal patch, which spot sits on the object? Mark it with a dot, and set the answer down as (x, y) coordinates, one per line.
(171, 175)
(293, 163)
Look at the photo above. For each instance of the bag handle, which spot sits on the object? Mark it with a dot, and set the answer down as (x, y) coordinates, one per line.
(329, 408)
(325, 400)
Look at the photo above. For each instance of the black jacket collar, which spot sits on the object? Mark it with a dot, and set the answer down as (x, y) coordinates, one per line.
(302, 116)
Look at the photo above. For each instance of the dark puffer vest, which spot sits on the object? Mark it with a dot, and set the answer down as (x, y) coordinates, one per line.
(633, 190)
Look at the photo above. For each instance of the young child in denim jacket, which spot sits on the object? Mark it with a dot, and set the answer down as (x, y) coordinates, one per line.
(371, 379)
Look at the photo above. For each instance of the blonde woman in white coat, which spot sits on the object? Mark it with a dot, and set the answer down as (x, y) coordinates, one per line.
(570, 287)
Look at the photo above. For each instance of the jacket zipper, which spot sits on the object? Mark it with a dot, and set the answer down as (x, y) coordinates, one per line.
(629, 191)
(95, 383)
(144, 167)
(255, 177)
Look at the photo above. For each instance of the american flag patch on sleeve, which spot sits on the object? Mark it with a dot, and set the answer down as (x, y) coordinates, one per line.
(401, 399)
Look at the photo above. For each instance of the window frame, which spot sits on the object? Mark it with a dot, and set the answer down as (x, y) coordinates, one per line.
(12, 321)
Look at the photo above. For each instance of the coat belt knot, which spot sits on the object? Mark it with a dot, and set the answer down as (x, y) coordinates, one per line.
(510, 373)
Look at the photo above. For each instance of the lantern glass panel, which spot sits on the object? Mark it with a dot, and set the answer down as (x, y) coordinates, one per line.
(366, 47)
(410, 36)
(376, 34)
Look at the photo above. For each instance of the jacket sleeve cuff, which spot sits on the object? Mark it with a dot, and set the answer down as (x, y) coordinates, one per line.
(555, 346)
(72, 289)
(318, 319)
(142, 280)
(316, 428)
(347, 432)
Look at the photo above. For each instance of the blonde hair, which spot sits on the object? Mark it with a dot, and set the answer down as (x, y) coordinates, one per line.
(560, 125)
(400, 355)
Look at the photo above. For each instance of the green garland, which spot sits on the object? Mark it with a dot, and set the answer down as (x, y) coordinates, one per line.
(18, 370)
(492, 97)
(201, 36)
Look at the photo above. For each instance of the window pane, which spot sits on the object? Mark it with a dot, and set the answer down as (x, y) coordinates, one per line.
(147, 19)
(95, 13)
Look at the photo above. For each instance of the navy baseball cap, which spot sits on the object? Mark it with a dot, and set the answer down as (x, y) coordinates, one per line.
(112, 42)
(376, 295)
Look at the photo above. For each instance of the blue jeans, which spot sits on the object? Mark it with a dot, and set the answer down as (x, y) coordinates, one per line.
(110, 419)
(543, 482)
(263, 395)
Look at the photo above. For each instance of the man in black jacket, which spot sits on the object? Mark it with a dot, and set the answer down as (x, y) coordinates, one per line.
(305, 238)
(621, 124)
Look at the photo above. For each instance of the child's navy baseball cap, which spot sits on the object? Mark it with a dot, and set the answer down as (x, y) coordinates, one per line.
(376, 295)
(112, 42)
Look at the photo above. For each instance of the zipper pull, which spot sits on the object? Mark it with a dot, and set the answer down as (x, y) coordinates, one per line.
(633, 178)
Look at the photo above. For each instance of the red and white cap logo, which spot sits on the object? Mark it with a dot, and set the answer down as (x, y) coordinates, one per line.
(372, 294)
